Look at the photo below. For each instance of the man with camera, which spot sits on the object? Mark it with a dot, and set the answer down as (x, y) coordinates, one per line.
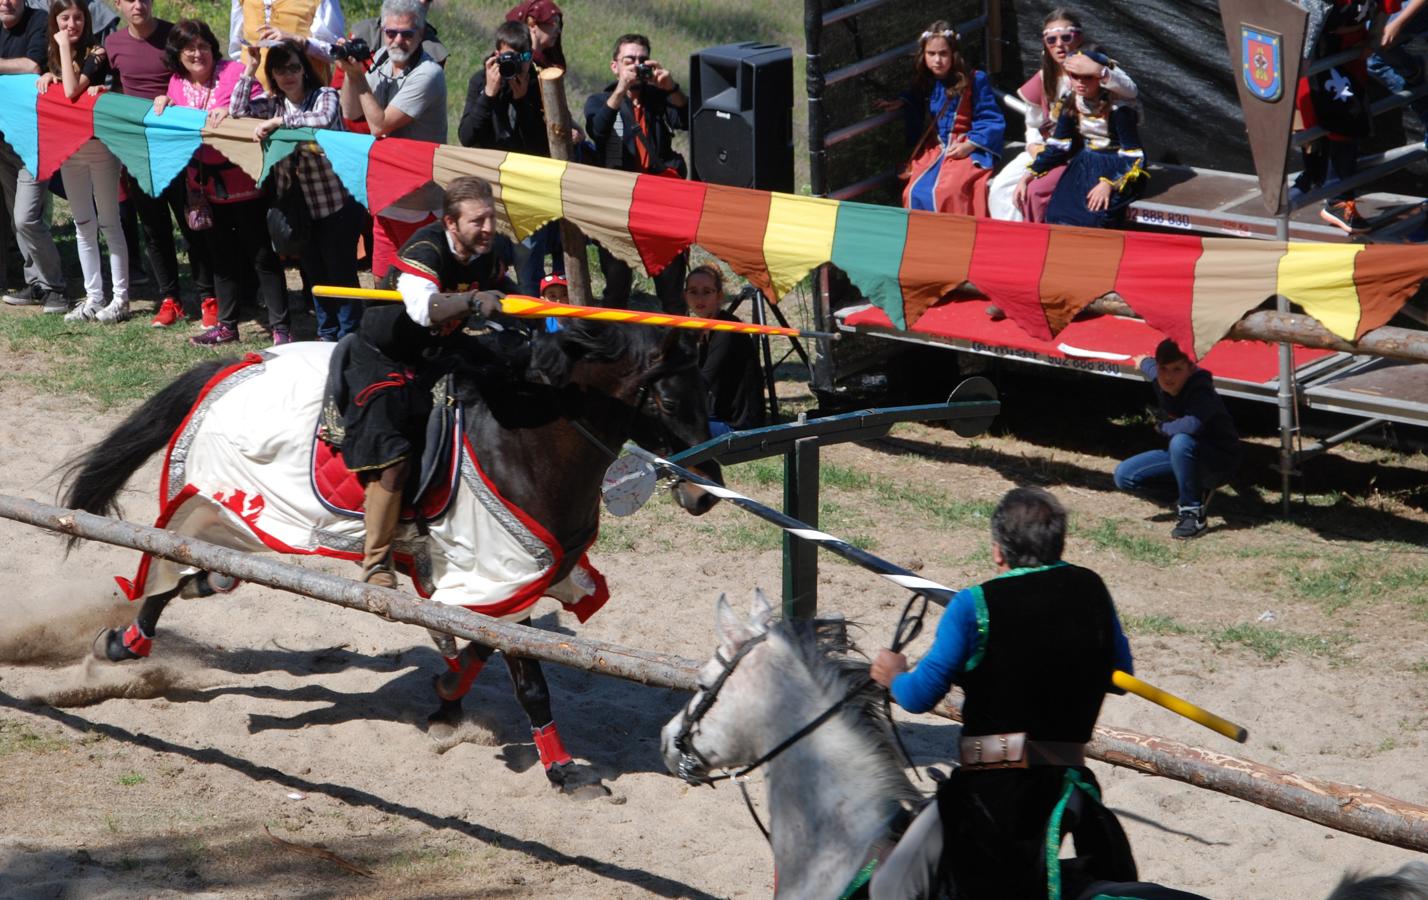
(370, 32)
(403, 95)
(632, 123)
(504, 112)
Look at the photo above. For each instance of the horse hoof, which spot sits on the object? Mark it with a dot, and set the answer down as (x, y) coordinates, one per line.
(577, 782)
(442, 723)
(109, 646)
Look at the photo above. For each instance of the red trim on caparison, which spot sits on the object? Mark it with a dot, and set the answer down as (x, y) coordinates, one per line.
(249, 359)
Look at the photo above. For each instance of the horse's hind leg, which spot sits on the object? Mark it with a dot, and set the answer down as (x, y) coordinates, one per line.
(534, 696)
(135, 641)
(462, 669)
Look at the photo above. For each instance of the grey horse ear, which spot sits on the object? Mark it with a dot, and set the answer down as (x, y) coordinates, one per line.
(731, 629)
(760, 612)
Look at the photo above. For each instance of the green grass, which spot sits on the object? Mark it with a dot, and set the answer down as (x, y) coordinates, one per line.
(1153, 625)
(1107, 535)
(16, 738)
(844, 478)
(763, 472)
(746, 535)
(114, 365)
(1339, 582)
(1271, 644)
(131, 779)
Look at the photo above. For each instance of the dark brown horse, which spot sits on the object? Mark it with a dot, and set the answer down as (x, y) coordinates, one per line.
(544, 417)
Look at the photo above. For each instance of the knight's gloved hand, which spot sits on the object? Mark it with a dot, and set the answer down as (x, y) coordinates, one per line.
(475, 305)
(484, 304)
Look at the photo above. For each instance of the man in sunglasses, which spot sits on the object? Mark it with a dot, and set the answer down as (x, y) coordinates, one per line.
(370, 30)
(632, 123)
(403, 95)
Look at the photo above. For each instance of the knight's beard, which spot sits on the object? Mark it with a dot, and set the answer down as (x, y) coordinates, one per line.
(398, 55)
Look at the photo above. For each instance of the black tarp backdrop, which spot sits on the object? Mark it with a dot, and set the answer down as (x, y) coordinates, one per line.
(1174, 49)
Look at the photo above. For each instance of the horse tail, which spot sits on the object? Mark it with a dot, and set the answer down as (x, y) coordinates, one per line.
(92, 480)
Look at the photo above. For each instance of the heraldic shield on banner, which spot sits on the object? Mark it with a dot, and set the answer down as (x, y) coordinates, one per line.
(1263, 63)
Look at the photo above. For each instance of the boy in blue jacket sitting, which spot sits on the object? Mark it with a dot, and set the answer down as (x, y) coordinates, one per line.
(1204, 449)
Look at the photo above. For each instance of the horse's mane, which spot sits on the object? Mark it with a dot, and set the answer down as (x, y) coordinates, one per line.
(824, 649)
(1408, 883)
(553, 355)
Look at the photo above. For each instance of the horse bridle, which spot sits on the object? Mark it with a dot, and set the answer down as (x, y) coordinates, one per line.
(692, 762)
(640, 400)
(690, 757)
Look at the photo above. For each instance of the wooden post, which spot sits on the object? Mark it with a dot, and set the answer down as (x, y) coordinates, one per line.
(557, 127)
(1342, 807)
(1274, 326)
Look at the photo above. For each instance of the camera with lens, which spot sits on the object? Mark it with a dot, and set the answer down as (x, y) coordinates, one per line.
(644, 72)
(354, 49)
(509, 62)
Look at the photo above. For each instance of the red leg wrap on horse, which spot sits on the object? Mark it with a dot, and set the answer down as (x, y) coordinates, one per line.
(468, 677)
(552, 751)
(453, 663)
(136, 643)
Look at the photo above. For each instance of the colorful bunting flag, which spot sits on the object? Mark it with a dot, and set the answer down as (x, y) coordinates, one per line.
(1192, 289)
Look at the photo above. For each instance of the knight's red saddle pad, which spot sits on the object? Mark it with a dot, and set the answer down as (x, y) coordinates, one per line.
(338, 489)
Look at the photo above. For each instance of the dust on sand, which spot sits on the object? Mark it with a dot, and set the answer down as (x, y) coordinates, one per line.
(262, 710)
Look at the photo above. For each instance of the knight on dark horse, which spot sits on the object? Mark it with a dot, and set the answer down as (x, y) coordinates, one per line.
(526, 425)
(389, 375)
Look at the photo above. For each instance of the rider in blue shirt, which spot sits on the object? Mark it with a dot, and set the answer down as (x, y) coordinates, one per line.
(1033, 649)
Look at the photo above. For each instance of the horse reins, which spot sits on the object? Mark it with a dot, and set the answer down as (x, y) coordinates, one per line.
(689, 755)
(909, 626)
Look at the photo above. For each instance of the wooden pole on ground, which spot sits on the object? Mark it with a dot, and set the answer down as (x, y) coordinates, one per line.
(1273, 326)
(557, 127)
(1348, 808)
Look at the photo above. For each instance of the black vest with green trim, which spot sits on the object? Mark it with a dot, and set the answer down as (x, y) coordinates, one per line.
(1045, 653)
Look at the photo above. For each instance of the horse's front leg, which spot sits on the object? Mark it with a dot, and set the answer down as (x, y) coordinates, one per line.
(137, 640)
(534, 696)
(452, 685)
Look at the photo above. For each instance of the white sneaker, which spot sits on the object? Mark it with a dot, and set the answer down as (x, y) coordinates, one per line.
(116, 311)
(84, 311)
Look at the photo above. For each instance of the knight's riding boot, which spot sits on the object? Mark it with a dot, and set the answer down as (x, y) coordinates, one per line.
(381, 516)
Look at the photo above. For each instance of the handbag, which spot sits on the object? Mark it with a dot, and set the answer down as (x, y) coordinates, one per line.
(197, 213)
(289, 221)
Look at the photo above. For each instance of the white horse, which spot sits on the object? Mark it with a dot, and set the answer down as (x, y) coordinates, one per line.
(836, 789)
(833, 795)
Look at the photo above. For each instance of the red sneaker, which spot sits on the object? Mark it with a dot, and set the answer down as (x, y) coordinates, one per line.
(210, 312)
(169, 313)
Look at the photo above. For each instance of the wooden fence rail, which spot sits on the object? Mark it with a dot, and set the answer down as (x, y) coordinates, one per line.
(1342, 807)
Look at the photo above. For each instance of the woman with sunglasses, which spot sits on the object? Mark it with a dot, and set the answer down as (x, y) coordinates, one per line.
(224, 210)
(334, 219)
(1061, 36)
(954, 127)
(1097, 139)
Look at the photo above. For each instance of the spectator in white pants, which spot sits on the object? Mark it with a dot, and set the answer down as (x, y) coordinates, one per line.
(91, 173)
(23, 51)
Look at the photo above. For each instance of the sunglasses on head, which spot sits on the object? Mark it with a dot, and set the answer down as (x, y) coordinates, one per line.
(1064, 36)
(394, 33)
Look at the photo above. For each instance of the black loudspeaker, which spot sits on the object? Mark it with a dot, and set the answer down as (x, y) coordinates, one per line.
(741, 123)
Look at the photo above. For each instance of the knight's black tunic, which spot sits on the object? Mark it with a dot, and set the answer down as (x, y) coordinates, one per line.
(1048, 642)
(395, 362)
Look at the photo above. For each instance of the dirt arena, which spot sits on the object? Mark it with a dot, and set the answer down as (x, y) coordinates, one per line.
(265, 714)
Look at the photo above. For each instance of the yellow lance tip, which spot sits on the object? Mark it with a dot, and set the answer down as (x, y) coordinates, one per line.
(1131, 684)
